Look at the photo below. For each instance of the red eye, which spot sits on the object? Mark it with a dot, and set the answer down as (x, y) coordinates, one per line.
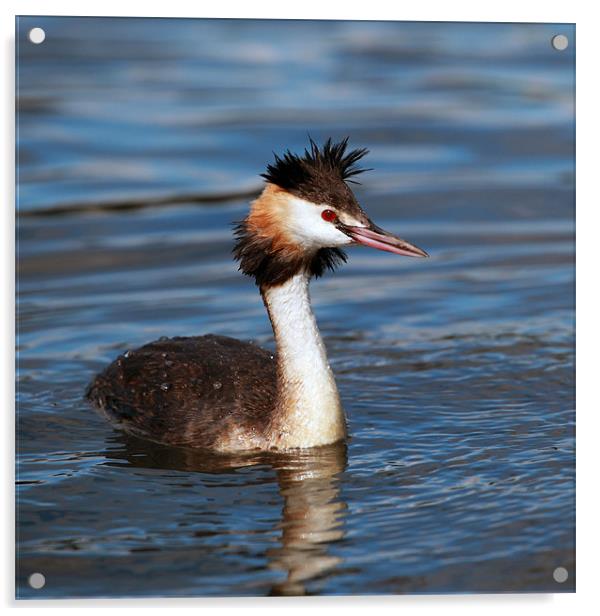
(328, 215)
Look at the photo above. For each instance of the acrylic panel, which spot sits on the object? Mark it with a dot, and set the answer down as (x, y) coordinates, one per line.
(140, 143)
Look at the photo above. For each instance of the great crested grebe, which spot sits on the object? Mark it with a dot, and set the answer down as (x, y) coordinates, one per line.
(226, 395)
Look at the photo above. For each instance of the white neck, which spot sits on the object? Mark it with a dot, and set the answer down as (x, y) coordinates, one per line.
(309, 412)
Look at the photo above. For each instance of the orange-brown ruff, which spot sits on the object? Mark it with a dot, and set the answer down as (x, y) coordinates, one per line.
(267, 222)
(226, 395)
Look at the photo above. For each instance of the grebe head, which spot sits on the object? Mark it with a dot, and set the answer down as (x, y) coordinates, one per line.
(306, 214)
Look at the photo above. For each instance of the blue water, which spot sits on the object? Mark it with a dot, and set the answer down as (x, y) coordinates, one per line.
(456, 373)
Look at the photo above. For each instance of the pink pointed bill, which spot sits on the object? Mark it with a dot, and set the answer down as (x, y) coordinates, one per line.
(382, 240)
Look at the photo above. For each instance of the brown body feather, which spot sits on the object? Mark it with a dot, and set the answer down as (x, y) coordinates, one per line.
(210, 392)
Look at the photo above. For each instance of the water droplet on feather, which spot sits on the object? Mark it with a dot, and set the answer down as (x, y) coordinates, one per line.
(165, 386)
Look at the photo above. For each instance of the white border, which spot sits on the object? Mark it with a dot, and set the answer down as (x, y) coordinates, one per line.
(427, 10)
(587, 283)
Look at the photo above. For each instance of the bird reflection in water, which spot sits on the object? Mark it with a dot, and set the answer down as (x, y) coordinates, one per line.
(312, 516)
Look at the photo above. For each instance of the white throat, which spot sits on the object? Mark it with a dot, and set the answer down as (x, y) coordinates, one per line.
(309, 412)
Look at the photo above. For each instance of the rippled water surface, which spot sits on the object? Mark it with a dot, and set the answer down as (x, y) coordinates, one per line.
(456, 373)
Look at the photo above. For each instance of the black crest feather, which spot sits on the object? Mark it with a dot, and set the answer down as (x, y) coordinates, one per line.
(320, 175)
(292, 171)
